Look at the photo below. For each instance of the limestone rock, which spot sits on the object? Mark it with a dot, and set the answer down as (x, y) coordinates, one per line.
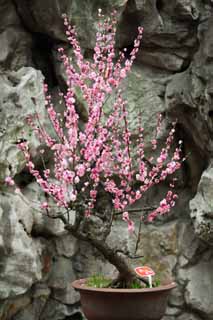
(169, 318)
(90, 262)
(189, 93)
(159, 246)
(176, 298)
(39, 295)
(198, 279)
(20, 254)
(66, 245)
(15, 41)
(202, 207)
(173, 311)
(42, 225)
(61, 277)
(165, 23)
(17, 91)
(188, 316)
(173, 75)
(163, 60)
(189, 244)
(46, 17)
(55, 310)
(10, 307)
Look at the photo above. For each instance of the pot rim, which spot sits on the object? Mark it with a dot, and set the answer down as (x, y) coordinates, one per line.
(80, 285)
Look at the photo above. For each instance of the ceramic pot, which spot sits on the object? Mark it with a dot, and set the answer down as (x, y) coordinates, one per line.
(123, 304)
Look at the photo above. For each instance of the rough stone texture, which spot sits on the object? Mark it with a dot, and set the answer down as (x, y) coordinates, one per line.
(45, 17)
(17, 91)
(20, 254)
(173, 75)
(198, 284)
(16, 42)
(42, 225)
(202, 207)
(159, 248)
(188, 316)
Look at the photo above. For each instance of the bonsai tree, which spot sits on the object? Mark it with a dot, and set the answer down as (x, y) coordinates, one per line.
(95, 173)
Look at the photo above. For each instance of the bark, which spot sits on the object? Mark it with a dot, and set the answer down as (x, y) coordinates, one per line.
(126, 274)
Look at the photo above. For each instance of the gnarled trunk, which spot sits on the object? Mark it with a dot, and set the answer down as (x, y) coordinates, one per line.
(126, 276)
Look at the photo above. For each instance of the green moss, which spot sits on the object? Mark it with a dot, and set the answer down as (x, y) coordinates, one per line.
(98, 281)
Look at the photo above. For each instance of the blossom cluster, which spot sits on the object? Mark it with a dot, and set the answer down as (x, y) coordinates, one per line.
(102, 151)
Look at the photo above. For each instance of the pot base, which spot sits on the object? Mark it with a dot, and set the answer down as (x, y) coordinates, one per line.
(123, 304)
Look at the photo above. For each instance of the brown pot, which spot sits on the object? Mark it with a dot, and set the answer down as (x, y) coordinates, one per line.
(123, 304)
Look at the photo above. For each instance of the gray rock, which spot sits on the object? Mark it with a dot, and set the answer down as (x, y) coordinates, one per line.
(15, 41)
(163, 60)
(189, 244)
(66, 245)
(60, 280)
(10, 307)
(158, 246)
(161, 29)
(176, 298)
(173, 75)
(202, 207)
(188, 316)
(54, 310)
(169, 318)
(189, 93)
(20, 254)
(198, 279)
(90, 262)
(46, 17)
(33, 310)
(173, 311)
(17, 90)
(42, 225)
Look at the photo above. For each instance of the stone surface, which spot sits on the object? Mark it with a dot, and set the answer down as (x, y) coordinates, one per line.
(42, 225)
(46, 17)
(15, 41)
(66, 245)
(17, 90)
(189, 245)
(33, 310)
(20, 254)
(202, 207)
(61, 277)
(55, 310)
(162, 60)
(9, 308)
(188, 316)
(159, 248)
(173, 75)
(198, 279)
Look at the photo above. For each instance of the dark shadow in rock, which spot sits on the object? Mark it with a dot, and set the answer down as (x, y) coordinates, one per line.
(42, 57)
(76, 316)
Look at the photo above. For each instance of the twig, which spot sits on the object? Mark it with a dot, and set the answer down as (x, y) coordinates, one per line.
(117, 213)
(139, 236)
(127, 253)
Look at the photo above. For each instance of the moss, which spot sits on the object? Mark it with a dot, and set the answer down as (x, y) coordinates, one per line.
(98, 281)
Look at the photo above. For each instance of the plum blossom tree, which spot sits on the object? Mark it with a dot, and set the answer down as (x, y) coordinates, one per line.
(94, 172)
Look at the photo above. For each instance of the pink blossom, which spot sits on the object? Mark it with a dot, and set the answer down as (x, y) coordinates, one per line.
(44, 205)
(125, 216)
(87, 213)
(72, 197)
(131, 226)
(9, 181)
(93, 194)
(81, 170)
(100, 150)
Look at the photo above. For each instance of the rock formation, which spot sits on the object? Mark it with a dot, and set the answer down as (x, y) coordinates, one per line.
(173, 75)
